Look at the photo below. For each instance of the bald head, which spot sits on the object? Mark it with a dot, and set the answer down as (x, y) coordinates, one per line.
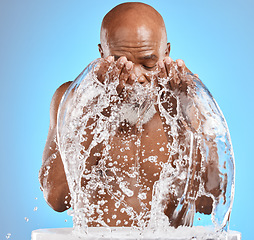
(132, 15)
(132, 23)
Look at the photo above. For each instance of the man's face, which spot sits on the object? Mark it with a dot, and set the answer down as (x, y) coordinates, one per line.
(143, 45)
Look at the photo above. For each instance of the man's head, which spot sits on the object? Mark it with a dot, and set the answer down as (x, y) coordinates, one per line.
(137, 31)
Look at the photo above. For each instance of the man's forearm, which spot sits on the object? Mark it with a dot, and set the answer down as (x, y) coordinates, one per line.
(53, 179)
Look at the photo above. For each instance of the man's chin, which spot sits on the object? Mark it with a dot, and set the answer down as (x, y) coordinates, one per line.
(136, 113)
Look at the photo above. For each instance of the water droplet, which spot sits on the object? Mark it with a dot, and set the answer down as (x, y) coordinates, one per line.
(26, 219)
(117, 204)
(137, 143)
(8, 235)
(142, 196)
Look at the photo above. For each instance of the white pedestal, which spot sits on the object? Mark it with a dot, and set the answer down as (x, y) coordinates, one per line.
(101, 233)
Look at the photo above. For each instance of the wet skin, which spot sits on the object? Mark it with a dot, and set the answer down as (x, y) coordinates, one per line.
(136, 47)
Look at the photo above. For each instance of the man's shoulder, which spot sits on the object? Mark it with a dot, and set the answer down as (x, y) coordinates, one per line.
(56, 99)
(61, 90)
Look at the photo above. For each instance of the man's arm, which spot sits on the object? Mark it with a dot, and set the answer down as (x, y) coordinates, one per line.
(179, 81)
(52, 175)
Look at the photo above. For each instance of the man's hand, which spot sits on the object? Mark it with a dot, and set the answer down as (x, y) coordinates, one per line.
(176, 72)
(122, 70)
(110, 70)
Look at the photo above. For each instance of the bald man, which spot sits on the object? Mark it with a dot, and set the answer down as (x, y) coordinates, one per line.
(133, 39)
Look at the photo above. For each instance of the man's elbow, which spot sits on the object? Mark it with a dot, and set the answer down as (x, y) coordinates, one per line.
(57, 199)
(56, 194)
(58, 207)
(204, 205)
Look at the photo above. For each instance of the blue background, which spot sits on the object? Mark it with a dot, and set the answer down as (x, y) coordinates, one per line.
(46, 43)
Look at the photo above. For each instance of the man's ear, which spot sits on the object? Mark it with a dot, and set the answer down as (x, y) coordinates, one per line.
(167, 49)
(100, 50)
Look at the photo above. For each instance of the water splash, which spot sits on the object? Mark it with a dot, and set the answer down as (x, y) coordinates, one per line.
(150, 158)
(8, 235)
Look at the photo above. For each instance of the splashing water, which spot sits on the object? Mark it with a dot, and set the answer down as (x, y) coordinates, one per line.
(8, 235)
(152, 158)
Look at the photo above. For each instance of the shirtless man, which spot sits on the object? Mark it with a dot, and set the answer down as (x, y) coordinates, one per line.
(133, 36)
